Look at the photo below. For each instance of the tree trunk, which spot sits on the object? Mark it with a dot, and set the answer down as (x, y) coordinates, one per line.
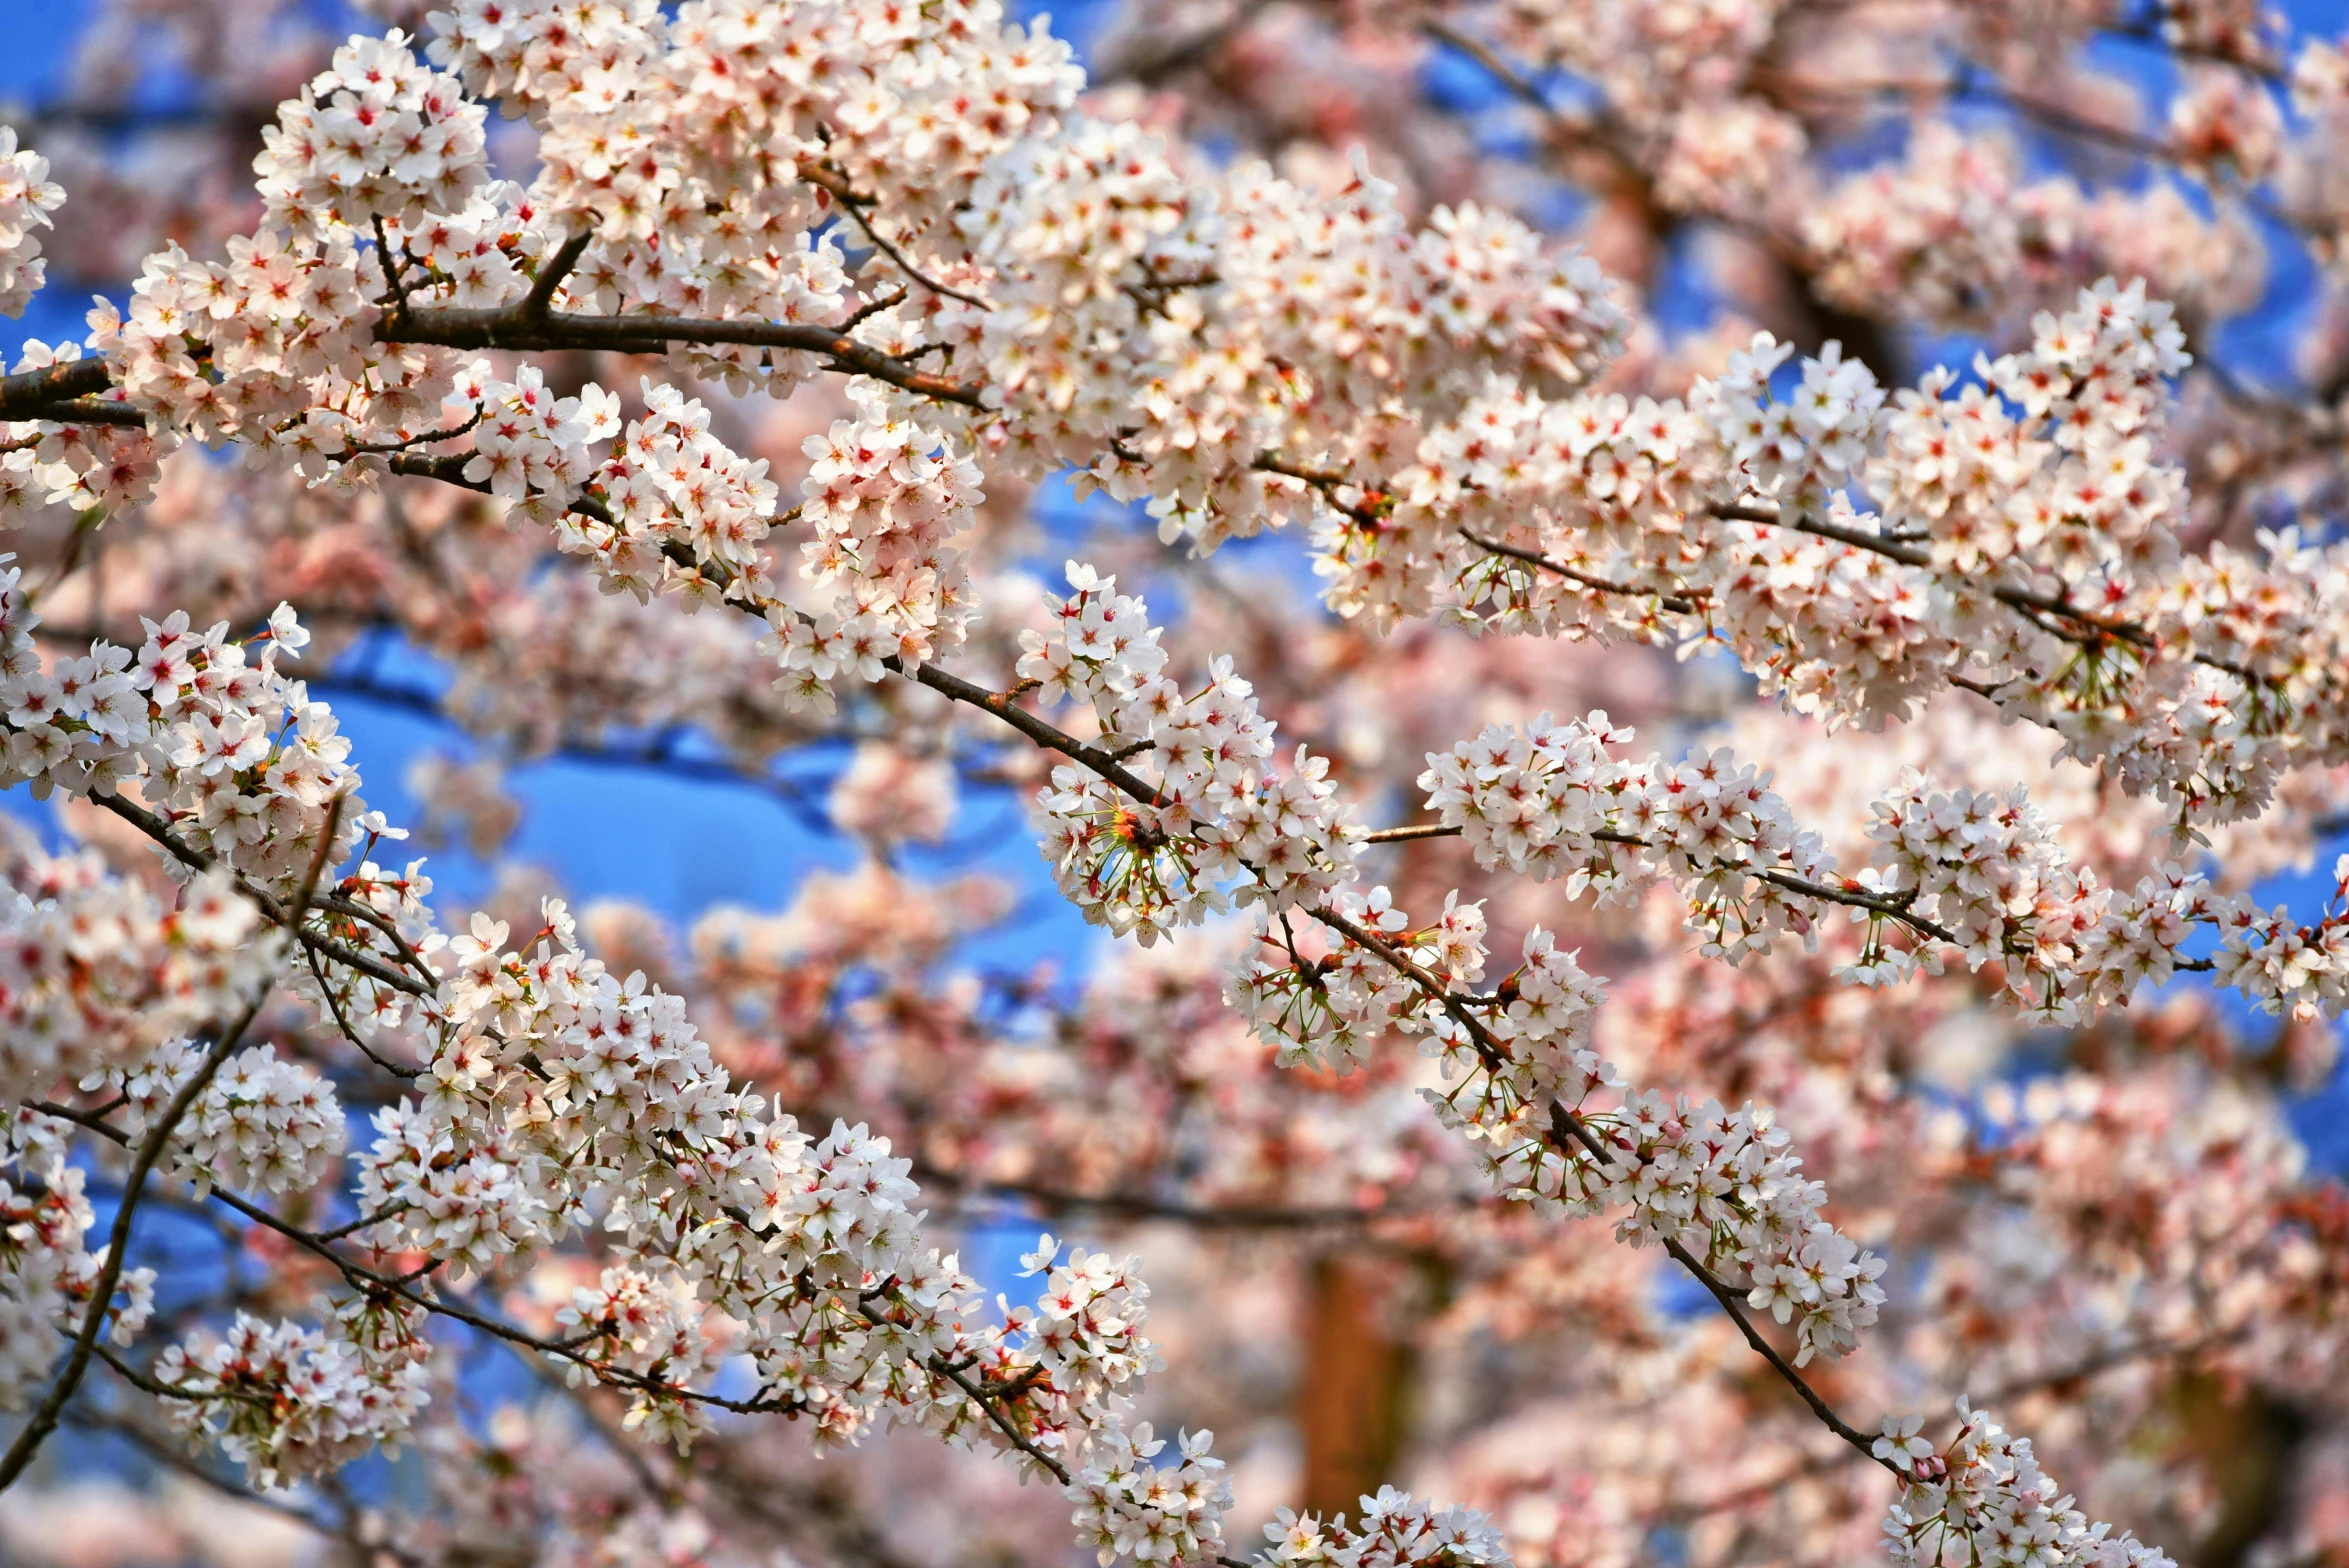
(1353, 1401)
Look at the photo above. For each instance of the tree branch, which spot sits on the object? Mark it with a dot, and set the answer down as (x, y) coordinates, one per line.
(44, 1418)
(506, 327)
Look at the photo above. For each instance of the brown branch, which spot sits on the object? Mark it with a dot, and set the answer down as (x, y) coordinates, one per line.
(871, 308)
(1680, 603)
(836, 184)
(1565, 1120)
(1410, 832)
(423, 438)
(552, 272)
(154, 827)
(44, 1418)
(24, 394)
(993, 1408)
(342, 1023)
(1231, 1216)
(2056, 1377)
(1492, 63)
(1005, 706)
(2101, 628)
(90, 411)
(391, 260)
(1322, 480)
(506, 327)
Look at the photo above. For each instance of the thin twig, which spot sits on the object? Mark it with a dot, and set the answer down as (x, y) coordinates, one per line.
(44, 1418)
(1679, 603)
(391, 260)
(1410, 832)
(161, 832)
(882, 243)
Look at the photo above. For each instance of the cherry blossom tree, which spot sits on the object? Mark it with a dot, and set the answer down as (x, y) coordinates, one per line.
(1698, 984)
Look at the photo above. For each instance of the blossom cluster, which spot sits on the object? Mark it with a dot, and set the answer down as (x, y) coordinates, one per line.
(528, 445)
(1723, 1185)
(1984, 1494)
(87, 467)
(558, 1090)
(230, 753)
(27, 197)
(1539, 801)
(471, 1209)
(2049, 525)
(376, 135)
(1320, 305)
(1720, 1184)
(1326, 305)
(1986, 869)
(277, 345)
(261, 1124)
(1214, 808)
(885, 496)
(689, 175)
(1396, 1530)
(645, 1328)
(678, 482)
(289, 1402)
(1085, 1327)
(1131, 1507)
(470, 255)
(259, 345)
(47, 1271)
(1977, 872)
(1602, 515)
(1329, 1010)
(95, 974)
(1087, 1320)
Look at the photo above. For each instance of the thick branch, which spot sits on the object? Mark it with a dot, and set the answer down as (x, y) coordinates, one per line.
(551, 274)
(27, 393)
(509, 328)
